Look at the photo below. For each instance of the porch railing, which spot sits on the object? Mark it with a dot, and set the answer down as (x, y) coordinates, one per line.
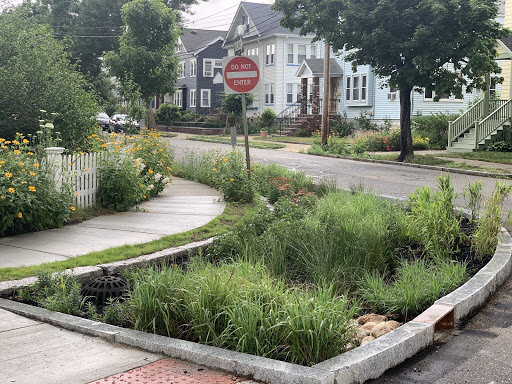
(286, 116)
(460, 125)
(496, 119)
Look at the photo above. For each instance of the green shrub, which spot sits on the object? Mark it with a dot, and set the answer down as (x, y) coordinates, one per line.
(414, 288)
(213, 122)
(500, 146)
(232, 179)
(434, 127)
(342, 127)
(365, 123)
(121, 184)
(388, 140)
(29, 199)
(268, 120)
(168, 113)
(433, 222)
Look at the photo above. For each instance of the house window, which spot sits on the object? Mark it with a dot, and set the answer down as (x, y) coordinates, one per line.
(312, 54)
(301, 56)
(269, 93)
(393, 93)
(178, 98)
(357, 88)
(271, 52)
(429, 95)
(218, 63)
(193, 68)
(289, 93)
(192, 98)
(252, 52)
(206, 97)
(492, 87)
(290, 54)
(181, 69)
(207, 68)
(179, 47)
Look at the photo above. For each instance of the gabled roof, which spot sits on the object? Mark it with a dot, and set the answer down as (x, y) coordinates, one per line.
(194, 39)
(263, 21)
(315, 68)
(504, 48)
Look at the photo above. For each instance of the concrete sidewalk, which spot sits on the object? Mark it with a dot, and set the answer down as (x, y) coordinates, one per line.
(183, 205)
(39, 353)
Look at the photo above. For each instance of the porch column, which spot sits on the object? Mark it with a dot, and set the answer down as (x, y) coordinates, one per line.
(304, 96)
(315, 104)
(486, 94)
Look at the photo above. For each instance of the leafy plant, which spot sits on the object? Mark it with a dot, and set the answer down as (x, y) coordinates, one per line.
(231, 177)
(168, 113)
(343, 127)
(268, 120)
(435, 127)
(474, 196)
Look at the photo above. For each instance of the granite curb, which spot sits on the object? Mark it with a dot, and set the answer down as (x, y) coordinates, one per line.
(422, 166)
(355, 366)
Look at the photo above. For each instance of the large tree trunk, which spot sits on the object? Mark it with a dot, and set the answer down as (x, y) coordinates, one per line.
(405, 124)
(150, 116)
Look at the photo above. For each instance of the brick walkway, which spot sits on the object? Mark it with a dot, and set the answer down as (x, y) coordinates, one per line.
(167, 371)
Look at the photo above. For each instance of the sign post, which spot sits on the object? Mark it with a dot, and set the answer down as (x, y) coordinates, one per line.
(241, 75)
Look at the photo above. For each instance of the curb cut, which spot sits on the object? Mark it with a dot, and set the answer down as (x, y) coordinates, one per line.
(430, 167)
(91, 272)
(355, 366)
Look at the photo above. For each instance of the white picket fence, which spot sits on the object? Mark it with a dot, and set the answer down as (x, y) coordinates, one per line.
(79, 172)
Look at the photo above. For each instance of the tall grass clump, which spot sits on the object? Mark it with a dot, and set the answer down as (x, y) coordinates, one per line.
(416, 285)
(238, 305)
(433, 222)
(485, 239)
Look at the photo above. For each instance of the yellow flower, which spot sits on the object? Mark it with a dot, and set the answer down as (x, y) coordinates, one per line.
(215, 163)
(31, 188)
(16, 142)
(72, 208)
(20, 215)
(231, 179)
(22, 163)
(150, 171)
(225, 159)
(2, 197)
(25, 141)
(214, 169)
(17, 152)
(30, 153)
(77, 194)
(2, 139)
(23, 170)
(8, 174)
(223, 181)
(32, 173)
(2, 162)
(36, 165)
(12, 190)
(103, 145)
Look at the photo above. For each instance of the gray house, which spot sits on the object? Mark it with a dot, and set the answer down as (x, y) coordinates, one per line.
(200, 52)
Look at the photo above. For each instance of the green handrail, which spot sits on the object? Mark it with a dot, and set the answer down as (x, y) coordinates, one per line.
(492, 122)
(465, 121)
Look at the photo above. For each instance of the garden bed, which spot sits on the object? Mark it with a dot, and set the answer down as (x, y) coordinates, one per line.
(288, 284)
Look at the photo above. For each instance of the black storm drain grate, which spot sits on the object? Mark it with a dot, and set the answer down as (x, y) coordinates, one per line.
(102, 288)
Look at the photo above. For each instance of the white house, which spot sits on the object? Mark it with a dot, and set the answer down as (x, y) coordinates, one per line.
(280, 52)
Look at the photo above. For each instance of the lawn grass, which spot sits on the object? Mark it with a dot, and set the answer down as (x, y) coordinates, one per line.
(218, 226)
(492, 157)
(287, 139)
(227, 140)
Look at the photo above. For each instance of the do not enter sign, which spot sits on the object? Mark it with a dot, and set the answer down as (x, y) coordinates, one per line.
(241, 74)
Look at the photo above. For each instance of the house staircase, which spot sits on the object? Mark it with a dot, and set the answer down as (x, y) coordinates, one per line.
(478, 127)
(290, 121)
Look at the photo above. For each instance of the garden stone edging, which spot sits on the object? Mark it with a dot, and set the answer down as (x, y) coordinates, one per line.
(355, 366)
(88, 273)
(423, 166)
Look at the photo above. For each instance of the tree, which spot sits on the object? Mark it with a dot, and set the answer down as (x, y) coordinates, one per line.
(35, 74)
(441, 45)
(146, 52)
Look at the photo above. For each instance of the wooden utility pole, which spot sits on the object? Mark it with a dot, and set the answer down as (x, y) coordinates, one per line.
(327, 93)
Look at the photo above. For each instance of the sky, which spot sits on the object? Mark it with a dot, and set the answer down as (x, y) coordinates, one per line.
(215, 14)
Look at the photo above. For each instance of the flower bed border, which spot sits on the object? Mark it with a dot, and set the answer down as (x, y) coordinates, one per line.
(355, 366)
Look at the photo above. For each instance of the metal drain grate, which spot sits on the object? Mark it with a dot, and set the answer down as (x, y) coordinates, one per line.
(102, 288)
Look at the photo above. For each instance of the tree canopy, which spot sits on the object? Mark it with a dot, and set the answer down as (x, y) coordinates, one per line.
(146, 53)
(35, 74)
(443, 45)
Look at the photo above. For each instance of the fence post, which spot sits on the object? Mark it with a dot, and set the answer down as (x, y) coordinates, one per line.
(54, 159)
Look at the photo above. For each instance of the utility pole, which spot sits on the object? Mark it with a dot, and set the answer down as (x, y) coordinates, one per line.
(327, 91)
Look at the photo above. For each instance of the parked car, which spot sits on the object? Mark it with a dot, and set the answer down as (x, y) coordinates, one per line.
(120, 123)
(103, 120)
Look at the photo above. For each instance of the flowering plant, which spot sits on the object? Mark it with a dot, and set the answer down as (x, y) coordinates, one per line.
(29, 200)
(231, 177)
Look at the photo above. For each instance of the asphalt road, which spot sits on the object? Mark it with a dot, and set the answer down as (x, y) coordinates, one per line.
(383, 179)
(480, 352)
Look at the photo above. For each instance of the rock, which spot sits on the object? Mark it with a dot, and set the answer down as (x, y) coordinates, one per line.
(366, 340)
(385, 327)
(369, 325)
(353, 323)
(362, 333)
(371, 317)
(348, 347)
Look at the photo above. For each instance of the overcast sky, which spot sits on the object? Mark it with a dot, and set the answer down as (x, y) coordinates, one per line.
(215, 14)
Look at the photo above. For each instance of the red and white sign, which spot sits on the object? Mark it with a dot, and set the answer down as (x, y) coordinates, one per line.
(241, 74)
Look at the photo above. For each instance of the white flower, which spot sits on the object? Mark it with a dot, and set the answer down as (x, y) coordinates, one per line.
(151, 186)
(158, 177)
(166, 180)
